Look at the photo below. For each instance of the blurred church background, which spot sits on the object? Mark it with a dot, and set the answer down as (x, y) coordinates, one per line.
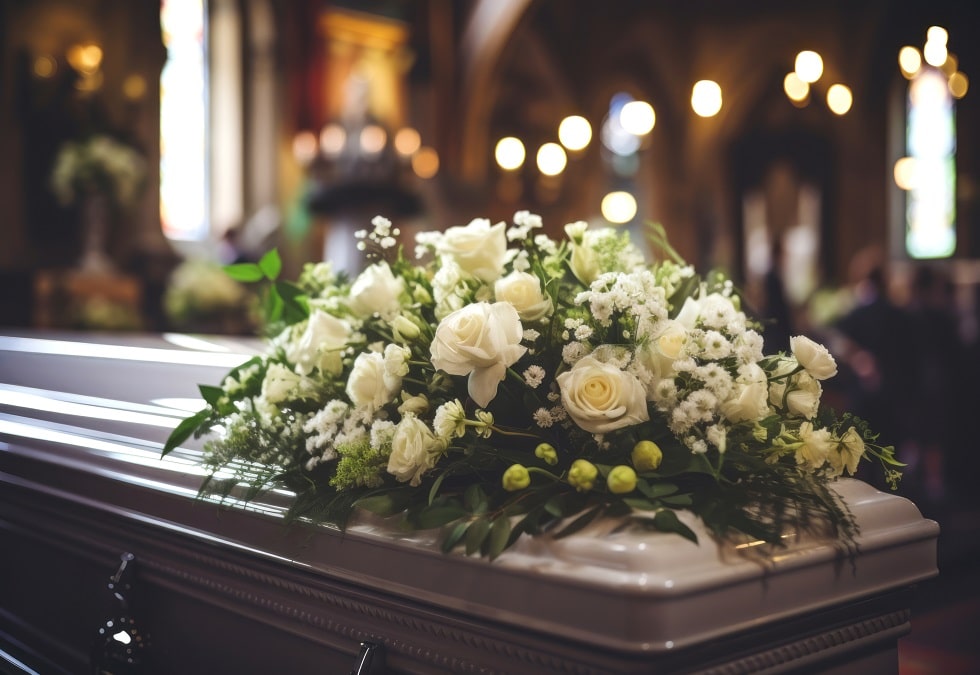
(825, 154)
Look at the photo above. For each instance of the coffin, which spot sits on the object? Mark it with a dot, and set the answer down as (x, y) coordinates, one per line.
(229, 588)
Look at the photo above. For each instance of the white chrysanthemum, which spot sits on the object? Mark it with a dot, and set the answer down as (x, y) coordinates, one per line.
(715, 345)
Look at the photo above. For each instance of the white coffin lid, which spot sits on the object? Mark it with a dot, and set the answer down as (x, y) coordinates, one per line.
(104, 411)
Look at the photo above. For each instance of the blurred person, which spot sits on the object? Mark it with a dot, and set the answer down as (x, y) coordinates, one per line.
(874, 346)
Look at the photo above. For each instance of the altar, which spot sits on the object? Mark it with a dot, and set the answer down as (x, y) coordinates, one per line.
(229, 588)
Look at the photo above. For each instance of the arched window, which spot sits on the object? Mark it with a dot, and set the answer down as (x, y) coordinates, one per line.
(184, 194)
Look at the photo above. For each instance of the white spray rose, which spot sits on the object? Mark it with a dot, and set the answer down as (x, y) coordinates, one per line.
(798, 394)
(583, 262)
(661, 350)
(414, 450)
(848, 453)
(523, 291)
(815, 446)
(281, 384)
(376, 291)
(599, 397)
(369, 383)
(480, 340)
(321, 344)
(750, 396)
(478, 248)
(814, 357)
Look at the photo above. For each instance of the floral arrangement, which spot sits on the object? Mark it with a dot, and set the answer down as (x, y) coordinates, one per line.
(200, 296)
(99, 164)
(507, 383)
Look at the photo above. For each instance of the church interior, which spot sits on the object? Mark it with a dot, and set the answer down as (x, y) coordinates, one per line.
(826, 155)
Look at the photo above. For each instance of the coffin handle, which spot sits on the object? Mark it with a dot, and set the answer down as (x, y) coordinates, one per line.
(370, 661)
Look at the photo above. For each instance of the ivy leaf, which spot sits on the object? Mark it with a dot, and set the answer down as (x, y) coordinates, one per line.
(245, 272)
(476, 534)
(667, 521)
(270, 264)
(184, 430)
(499, 537)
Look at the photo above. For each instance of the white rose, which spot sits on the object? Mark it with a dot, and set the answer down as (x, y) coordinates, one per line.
(660, 352)
(320, 346)
(376, 291)
(523, 290)
(750, 396)
(480, 340)
(369, 384)
(799, 396)
(584, 263)
(478, 248)
(813, 356)
(600, 397)
(414, 450)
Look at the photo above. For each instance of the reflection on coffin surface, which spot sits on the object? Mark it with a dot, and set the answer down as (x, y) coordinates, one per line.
(229, 588)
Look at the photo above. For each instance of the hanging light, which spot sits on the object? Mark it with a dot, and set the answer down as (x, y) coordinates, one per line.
(509, 153)
(575, 132)
(839, 99)
(809, 66)
(706, 98)
(638, 118)
(618, 207)
(551, 159)
(909, 60)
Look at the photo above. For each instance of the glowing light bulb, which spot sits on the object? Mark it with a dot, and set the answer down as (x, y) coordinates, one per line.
(839, 99)
(551, 159)
(909, 60)
(638, 118)
(618, 207)
(796, 89)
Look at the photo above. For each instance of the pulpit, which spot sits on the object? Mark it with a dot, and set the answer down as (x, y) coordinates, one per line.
(230, 588)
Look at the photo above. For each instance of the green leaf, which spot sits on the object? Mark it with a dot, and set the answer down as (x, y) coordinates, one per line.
(475, 499)
(499, 536)
(678, 500)
(437, 516)
(245, 272)
(640, 504)
(270, 264)
(210, 394)
(556, 506)
(436, 484)
(184, 430)
(384, 504)
(655, 490)
(579, 522)
(455, 536)
(476, 534)
(295, 303)
(667, 521)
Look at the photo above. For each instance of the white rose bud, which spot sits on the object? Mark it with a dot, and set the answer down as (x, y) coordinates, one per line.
(599, 397)
(814, 357)
(523, 291)
(404, 328)
(480, 340)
